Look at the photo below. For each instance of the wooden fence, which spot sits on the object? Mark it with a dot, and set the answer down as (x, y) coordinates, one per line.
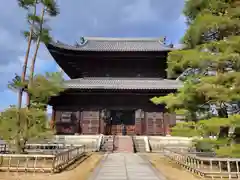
(40, 162)
(49, 148)
(206, 167)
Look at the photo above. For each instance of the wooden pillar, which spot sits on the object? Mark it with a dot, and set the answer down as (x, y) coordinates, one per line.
(143, 123)
(138, 122)
(78, 123)
(169, 121)
(165, 120)
(165, 123)
(102, 121)
(53, 119)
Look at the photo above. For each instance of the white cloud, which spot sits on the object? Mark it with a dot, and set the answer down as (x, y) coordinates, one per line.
(138, 12)
(7, 73)
(40, 63)
(84, 18)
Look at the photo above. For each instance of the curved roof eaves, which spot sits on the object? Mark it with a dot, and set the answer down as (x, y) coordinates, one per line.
(114, 44)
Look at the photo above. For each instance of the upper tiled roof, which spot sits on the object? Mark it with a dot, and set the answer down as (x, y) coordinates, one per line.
(122, 83)
(117, 44)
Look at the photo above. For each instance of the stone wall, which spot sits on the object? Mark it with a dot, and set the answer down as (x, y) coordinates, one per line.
(90, 141)
(158, 142)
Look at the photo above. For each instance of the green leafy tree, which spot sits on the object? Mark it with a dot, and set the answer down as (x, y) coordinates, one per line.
(212, 52)
(185, 129)
(212, 48)
(34, 119)
(44, 87)
(33, 124)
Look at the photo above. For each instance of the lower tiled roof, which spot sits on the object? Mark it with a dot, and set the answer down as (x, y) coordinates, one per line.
(122, 83)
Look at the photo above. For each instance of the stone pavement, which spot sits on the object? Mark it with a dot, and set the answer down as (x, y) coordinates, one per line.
(123, 144)
(125, 166)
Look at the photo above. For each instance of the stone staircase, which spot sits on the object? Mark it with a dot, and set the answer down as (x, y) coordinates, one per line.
(123, 144)
(107, 144)
(139, 144)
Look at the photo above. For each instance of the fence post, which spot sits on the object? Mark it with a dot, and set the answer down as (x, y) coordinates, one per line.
(229, 169)
(53, 164)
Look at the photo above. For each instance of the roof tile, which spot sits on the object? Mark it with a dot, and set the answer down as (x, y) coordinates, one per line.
(122, 83)
(117, 44)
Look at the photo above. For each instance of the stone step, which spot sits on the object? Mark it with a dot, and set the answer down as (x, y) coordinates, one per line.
(107, 145)
(123, 144)
(139, 145)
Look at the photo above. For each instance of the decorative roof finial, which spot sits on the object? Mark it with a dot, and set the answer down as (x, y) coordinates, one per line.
(163, 39)
(82, 40)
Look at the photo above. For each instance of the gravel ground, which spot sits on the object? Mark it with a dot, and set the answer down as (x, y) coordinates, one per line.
(169, 169)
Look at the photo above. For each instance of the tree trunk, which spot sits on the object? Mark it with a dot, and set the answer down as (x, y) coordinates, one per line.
(222, 113)
(21, 146)
(23, 76)
(35, 58)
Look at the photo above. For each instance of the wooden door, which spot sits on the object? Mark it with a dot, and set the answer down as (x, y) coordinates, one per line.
(154, 123)
(90, 122)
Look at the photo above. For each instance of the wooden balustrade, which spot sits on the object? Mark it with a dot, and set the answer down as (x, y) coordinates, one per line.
(49, 148)
(207, 167)
(63, 159)
(40, 162)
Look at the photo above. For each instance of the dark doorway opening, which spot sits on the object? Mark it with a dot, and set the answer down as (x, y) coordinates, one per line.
(122, 117)
(121, 122)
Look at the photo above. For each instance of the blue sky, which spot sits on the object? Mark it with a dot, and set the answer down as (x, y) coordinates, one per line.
(110, 18)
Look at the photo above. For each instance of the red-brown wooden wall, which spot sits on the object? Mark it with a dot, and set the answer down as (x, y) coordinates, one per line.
(90, 122)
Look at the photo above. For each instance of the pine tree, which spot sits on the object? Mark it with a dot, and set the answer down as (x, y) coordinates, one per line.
(31, 7)
(34, 119)
(212, 58)
(49, 8)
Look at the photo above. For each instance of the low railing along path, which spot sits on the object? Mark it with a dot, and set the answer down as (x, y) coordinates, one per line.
(207, 167)
(40, 162)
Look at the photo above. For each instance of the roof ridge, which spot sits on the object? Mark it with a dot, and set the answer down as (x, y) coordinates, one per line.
(121, 78)
(123, 38)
